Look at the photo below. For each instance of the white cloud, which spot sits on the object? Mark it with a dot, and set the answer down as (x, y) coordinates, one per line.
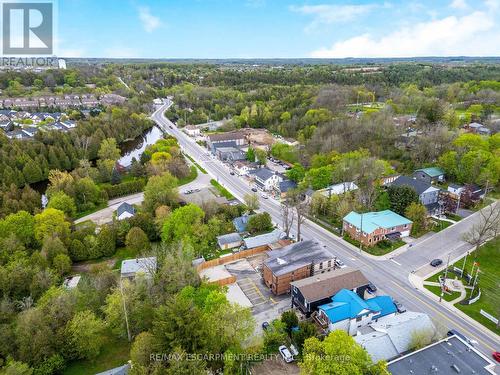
(458, 4)
(475, 34)
(149, 22)
(328, 14)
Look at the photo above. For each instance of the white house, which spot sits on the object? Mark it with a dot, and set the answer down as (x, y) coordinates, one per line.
(243, 167)
(266, 179)
(192, 131)
(71, 282)
(338, 189)
(455, 189)
(125, 211)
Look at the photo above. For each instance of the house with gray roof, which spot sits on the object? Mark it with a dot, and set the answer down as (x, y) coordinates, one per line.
(266, 179)
(429, 175)
(428, 195)
(125, 211)
(229, 241)
(263, 239)
(240, 223)
(132, 267)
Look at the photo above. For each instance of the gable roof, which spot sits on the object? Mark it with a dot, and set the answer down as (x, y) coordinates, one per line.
(263, 239)
(240, 223)
(373, 220)
(384, 304)
(125, 207)
(431, 171)
(345, 305)
(220, 137)
(418, 185)
(226, 239)
(286, 185)
(328, 284)
(263, 173)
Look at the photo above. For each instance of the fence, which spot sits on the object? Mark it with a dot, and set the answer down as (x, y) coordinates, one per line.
(488, 316)
(232, 257)
(225, 281)
(472, 300)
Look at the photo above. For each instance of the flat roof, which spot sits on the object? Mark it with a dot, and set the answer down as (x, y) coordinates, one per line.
(443, 358)
(373, 220)
(295, 256)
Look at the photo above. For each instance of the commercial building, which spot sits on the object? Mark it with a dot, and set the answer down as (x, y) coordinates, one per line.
(295, 262)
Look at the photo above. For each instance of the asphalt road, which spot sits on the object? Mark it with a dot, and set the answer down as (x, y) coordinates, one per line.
(390, 275)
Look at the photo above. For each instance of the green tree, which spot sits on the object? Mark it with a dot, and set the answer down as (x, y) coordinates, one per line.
(401, 197)
(338, 354)
(275, 335)
(417, 213)
(160, 191)
(290, 319)
(17, 368)
(306, 330)
(260, 223)
(85, 333)
(251, 154)
(109, 150)
(62, 264)
(296, 173)
(52, 246)
(106, 241)
(51, 222)
(21, 224)
(142, 347)
(61, 201)
(137, 241)
(182, 224)
(261, 156)
(116, 177)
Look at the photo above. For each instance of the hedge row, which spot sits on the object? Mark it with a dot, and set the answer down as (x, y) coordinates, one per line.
(124, 188)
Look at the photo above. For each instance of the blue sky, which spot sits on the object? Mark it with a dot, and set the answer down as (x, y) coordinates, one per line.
(277, 28)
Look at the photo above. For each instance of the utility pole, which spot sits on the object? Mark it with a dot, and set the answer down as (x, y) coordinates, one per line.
(361, 235)
(463, 267)
(125, 312)
(475, 282)
(445, 276)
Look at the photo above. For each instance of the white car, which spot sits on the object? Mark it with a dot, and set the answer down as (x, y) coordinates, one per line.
(285, 353)
(340, 264)
(264, 195)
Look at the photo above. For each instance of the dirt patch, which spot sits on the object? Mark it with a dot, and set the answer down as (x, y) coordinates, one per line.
(85, 267)
(276, 365)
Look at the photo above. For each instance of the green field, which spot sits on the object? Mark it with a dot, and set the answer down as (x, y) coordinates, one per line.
(221, 189)
(437, 291)
(380, 248)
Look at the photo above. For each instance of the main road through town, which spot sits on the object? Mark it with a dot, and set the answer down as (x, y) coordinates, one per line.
(391, 275)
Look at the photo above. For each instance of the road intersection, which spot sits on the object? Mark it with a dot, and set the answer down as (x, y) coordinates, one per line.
(392, 275)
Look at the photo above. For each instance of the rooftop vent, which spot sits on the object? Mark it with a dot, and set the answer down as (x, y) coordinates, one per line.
(281, 261)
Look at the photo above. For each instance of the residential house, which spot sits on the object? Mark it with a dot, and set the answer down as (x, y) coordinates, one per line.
(265, 239)
(229, 241)
(240, 223)
(449, 356)
(132, 267)
(89, 100)
(244, 167)
(125, 211)
(192, 131)
(266, 179)
(477, 128)
(372, 227)
(392, 336)
(311, 292)
(428, 195)
(295, 262)
(455, 189)
(387, 180)
(30, 131)
(112, 99)
(18, 134)
(237, 137)
(430, 175)
(6, 125)
(284, 186)
(349, 312)
(68, 124)
(338, 189)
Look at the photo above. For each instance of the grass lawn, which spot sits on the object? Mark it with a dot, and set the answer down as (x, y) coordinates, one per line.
(488, 258)
(88, 212)
(115, 352)
(437, 291)
(440, 225)
(380, 248)
(454, 217)
(221, 189)
(121, 254)
(195, 163)
(193, 173)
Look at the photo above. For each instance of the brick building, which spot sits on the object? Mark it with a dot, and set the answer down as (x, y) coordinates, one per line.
(295, 262)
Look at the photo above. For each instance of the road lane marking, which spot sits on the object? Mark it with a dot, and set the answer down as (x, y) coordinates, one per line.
(468, 333)
(392, 260)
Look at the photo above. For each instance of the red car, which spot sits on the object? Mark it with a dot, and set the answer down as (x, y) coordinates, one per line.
(496, 356)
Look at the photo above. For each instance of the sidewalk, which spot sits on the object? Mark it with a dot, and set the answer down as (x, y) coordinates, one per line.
(418, 283)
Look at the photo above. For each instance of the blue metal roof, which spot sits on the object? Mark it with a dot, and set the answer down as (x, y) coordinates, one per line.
(432, 171)
(384, 304)
(240, 223)
(345, 305)
(374, 220)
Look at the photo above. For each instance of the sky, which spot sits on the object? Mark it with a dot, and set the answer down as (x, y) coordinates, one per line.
(277, 28)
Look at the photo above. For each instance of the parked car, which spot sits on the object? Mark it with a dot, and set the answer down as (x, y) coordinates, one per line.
(285, 353)
(452, 332)
(496, 356)
(170, 126)
(399, 306)
(371, 288)
(231, 173)
(265, 326)
(340, 264)
(254, 189)
(436, 262)
(264, 195)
